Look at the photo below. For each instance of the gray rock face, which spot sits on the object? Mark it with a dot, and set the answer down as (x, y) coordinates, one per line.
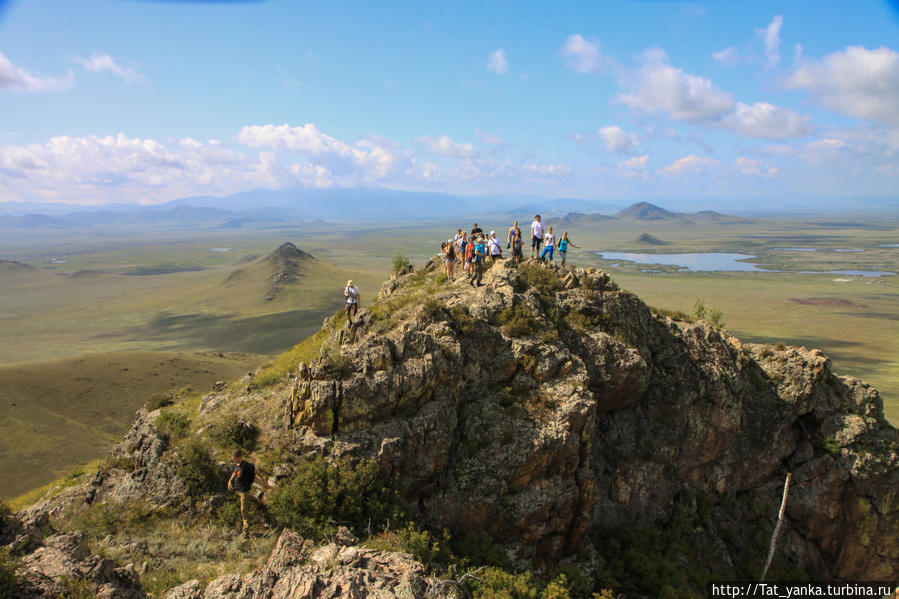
(601, 414)
(298, 570)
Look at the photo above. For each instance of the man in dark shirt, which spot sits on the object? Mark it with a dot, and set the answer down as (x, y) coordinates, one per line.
(475, 230)
(242, 476)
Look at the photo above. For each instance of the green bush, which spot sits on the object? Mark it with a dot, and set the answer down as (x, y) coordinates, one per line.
(541, 278)
(76, 588)
(9, 582)
(465, 324)
(672, 314)
(400, 263)
(233, 433)
(173, 424)
(496, 583)
(712, 316)
(431, 308)
(319, 497)
(421, 544)
(160, 400)
(200, 473)
(102, 519)
(517, 321)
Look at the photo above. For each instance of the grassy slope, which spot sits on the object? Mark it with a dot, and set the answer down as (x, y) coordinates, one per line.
(59, 414)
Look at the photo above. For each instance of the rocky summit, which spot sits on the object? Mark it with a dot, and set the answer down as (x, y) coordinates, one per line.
(547, 412)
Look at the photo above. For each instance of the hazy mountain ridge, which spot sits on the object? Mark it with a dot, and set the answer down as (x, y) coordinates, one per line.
(550, 409)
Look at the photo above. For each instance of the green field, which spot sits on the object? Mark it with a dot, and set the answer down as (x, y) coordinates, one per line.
(88, 296)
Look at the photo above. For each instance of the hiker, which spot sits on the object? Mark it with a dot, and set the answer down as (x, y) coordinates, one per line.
(449, 258)
(461, 246)
(563, 246)
(496, 251)
(549, 241)
(242, 476)
(479, 251)
(476, 230)
(469, 253)
(517, 246)
(536, 235)
(511, 236)
(351, 293)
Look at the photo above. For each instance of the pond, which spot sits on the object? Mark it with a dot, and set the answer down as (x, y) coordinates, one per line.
(715, 261)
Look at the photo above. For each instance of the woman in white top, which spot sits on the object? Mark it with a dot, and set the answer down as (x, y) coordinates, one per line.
(351, 293)
(549, 244)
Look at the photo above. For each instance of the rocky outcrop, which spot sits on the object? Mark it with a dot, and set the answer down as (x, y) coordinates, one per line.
(55, 564)
(595, 412)
(298, 569)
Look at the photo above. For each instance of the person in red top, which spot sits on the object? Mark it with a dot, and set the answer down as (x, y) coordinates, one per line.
(469, 249)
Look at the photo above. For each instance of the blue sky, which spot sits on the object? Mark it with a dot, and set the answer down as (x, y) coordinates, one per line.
(146, 101)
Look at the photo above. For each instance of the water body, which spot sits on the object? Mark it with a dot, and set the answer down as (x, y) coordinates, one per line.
(849, 250)
(710, 261)
(890, 245)
(220, 250)
(714, 261)
(794, 249)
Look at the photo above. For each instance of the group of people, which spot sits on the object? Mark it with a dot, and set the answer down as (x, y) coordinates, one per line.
(473, 249)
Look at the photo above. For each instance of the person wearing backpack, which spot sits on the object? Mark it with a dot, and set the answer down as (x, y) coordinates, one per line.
(563, 246)
(242, 476)
(478, 252)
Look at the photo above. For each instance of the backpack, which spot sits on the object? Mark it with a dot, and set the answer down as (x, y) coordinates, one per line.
(451, 252)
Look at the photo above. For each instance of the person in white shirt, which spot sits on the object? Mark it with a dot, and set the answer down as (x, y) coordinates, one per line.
(351, 293)
(496, 251)
(536, 235)
(549, 241)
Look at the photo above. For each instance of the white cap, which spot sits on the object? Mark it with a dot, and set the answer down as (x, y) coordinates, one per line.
(493, 232)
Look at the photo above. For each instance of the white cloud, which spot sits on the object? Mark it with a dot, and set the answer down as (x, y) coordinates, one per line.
(855, 81)
(490, 140)
(635, 163)
(617, 140)
(376, 160)
(728, 57)
(691, 164)
(748, 166)
(312, 175)
(767, 121)
(771, 37)
(581, 55)
(99, 62)
(13, 78)
(445, 146)
(659, 87)
(497, 62)
(547, 170)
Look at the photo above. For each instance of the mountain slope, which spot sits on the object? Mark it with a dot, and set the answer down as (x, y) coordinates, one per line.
(556, 416)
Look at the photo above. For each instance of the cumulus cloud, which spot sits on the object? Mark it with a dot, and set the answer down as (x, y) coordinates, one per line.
(767, 121)
(635, 163)
(13, 78)
(657, 87)
(728, 57)
(490, 140)
(445, 146)
(771, 36)
(748, 166)
(547, 170)
(581, 55)
(691, 164)
(856, 81)
(497, 62)
(618, 140)
(99, 62)
(370, 158)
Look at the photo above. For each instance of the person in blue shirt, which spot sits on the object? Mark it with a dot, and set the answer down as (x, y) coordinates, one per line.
(478, 254)
(563, 247)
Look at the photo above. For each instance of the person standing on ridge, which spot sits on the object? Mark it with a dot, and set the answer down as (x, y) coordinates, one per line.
(517, 244)
(550, 244)
(242, 476)
(449, 258)
(475, 230)
(351, 293)
(511, 237)
(536, 235)
(563, 246)
(478, 252)
(496, 250)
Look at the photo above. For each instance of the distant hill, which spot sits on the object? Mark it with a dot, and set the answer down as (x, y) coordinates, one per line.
(579, 218)
(32, 221)
(13, 266)
(650, 240)
(646, 211)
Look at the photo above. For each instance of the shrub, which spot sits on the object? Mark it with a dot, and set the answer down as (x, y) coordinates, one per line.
(319, 497)
(431, 308)
(76, 588)
(421, 544)
(712, 316)
(102, 519)
(496, 583)
(234, 433)
(198, 470)
(517, 321)
(9, 582)
(173, 424)
(672, 314)
(400, 263)
(119, 463)
(829, 445)
(465, 324)
(160, 400)
(305, 351)
(781, 346)
(541, 278)
(441, 279)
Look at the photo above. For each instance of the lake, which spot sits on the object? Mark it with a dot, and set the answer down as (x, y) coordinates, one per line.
(719, 261)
